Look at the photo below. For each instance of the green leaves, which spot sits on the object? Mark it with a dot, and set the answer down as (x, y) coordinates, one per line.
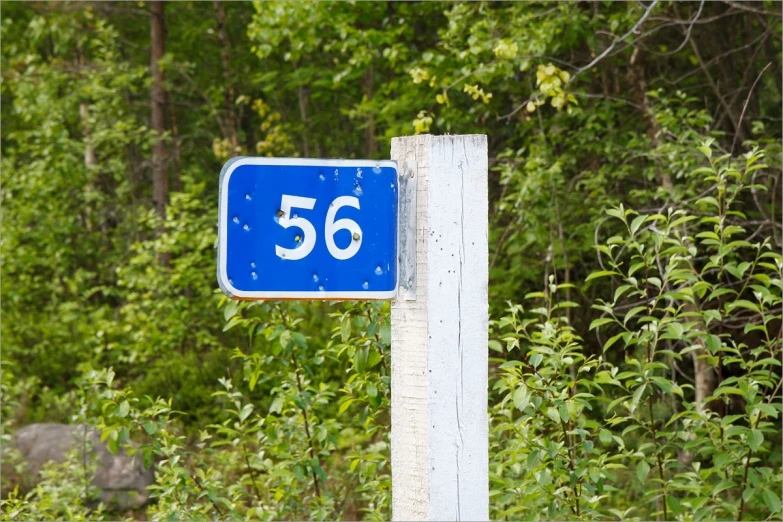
(601, 321)
(535, 359)
(276, 406)
(743, 303)
(706, 148)
(636, 223)
(360, 359)
(676, 297)
(246, 410)
(642, 470)
(601, 273)
(608, 344)
(637, 397)
(521, 398)
(676, 330)
(345, 329)
(755, 439)
(713, 343)
(562, 411)
(386, 333)
(772, 501)
(345, 405)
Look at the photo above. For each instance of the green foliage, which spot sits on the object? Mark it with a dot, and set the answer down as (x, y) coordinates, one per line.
(571, 429)
(544, 440)
(63, 493)
(635, 268)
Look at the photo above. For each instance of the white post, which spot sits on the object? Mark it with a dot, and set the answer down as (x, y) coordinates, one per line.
(439, 426)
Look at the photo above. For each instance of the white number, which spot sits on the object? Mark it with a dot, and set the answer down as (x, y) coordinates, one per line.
(308, 231)
(333, 226)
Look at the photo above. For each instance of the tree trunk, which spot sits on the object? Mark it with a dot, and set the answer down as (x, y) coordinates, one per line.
(225, 55)
(158, 98)
(90, 160)
(704, 375)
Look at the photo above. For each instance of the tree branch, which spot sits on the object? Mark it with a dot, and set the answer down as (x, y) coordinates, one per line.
(633, 30)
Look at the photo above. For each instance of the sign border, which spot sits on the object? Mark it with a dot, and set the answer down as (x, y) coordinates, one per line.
(222, 276)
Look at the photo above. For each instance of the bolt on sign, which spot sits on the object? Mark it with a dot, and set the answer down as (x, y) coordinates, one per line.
(308, 229)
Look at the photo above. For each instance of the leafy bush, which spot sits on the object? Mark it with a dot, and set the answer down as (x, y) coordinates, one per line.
(573, 429)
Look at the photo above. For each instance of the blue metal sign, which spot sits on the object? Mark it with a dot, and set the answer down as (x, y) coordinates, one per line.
(307, 229)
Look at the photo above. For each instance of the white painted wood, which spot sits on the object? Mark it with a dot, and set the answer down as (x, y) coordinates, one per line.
(439, 439)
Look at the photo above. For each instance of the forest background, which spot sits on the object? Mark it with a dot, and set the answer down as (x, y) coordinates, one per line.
(635, 238)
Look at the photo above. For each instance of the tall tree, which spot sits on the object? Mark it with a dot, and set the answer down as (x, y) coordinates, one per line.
(225, 56)
(158, 98)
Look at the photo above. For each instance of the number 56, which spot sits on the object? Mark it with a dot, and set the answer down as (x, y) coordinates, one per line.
(330, 228)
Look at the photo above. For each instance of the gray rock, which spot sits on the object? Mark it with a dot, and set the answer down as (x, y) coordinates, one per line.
(121, 478)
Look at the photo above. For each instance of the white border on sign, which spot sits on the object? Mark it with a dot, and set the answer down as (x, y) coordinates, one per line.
(222, 275)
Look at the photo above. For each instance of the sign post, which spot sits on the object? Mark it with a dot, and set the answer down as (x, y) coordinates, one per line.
(414, 228)
(439, 439)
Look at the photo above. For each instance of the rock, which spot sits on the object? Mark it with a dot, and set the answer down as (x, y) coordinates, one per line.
(121, 478)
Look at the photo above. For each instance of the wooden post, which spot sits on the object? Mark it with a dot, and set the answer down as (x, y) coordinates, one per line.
(439, 423)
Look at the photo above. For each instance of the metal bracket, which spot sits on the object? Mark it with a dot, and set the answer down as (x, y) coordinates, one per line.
(406, 240)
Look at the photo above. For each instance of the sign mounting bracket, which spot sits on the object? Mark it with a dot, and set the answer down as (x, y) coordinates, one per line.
(407, 229)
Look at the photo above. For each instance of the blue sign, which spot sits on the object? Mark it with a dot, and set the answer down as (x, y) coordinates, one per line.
(307, 229)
